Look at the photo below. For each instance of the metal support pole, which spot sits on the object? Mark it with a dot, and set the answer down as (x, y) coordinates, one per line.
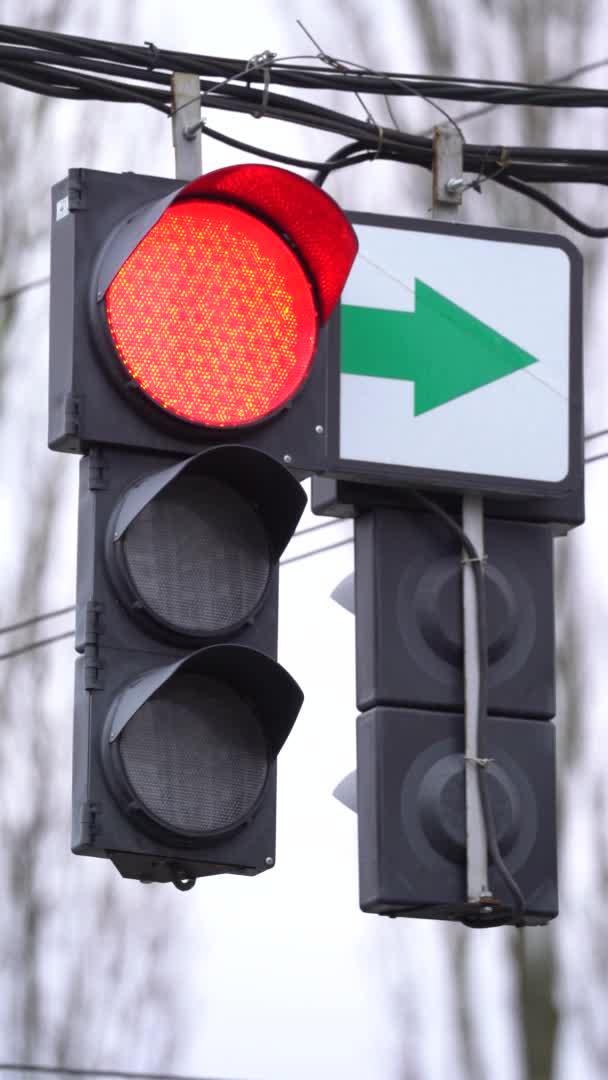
(186, 92)
(477, 840)
(448, 185)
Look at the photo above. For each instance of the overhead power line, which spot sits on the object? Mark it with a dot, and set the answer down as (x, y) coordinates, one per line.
(35, 645)
(19, 289)
(317, 551)
(474, 114)
(80, 68)
(70, 633)
(63, 1070)
(55, 58)
(36, 619)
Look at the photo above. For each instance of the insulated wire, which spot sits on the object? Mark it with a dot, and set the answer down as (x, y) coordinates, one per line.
(49, 63)
(61, 1070)
(69, 633)
(35, 645)
(24, 45)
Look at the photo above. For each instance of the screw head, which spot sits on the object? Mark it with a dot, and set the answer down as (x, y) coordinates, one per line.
(319, 429)
(269, 860)
(287, 458)
(455, 184)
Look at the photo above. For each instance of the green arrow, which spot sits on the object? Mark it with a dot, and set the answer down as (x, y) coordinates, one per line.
(440, 347)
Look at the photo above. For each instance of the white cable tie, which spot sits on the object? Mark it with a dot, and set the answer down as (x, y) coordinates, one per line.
(466, 559)
(482, 762)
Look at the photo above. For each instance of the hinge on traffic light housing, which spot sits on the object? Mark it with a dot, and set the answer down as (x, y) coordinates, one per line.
(97, 465)
(77, 199)
(88, 825)
(93, 679)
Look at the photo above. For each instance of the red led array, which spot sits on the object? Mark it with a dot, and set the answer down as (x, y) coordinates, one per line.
(213, 316)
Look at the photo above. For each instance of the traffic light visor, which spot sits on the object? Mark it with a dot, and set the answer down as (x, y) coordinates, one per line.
(193, 546)
(319, 230)
(213, 315)
(195, 755)
(188, 747)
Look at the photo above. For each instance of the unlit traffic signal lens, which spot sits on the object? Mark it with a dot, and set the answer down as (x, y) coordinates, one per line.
(197, 556)
(213, 315)
(194, 757)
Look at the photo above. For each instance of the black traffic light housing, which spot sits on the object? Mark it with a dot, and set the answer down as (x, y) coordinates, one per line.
(408, 588)
(406, 594)
(411, 815)
(186, 504)
(97, 218)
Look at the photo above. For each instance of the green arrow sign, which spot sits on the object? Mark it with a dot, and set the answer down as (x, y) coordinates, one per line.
(440, 347)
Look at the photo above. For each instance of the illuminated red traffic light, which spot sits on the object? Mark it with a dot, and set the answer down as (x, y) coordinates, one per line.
(213, 297)
(213, 315)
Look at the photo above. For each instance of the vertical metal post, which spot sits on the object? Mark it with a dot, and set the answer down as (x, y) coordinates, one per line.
(448, 186)
(186, 92)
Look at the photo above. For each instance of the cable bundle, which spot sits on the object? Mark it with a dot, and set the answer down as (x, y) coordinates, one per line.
(62, 65)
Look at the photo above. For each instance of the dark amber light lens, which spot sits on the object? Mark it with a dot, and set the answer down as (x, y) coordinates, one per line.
(213, 316)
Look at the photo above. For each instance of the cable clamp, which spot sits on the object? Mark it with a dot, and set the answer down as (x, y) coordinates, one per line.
(258, 60)
(502, 161)
(378, 149)
(482, 762)
(259, 113)
(466, 560)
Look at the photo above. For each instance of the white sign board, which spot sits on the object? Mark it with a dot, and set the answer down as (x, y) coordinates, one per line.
(456, 354)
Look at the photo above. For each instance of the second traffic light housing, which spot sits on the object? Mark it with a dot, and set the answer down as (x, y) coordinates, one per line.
(410, 779)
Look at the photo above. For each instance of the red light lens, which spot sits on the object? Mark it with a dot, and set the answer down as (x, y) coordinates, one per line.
(320, 230)
(213, 316)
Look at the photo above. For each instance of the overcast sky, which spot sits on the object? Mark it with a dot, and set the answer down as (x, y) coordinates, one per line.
(289, 978)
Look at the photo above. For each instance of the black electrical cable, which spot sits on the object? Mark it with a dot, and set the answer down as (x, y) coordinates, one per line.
(125, 66)
(62, 1070)
(64, 611)
(19, 289)
(315, 528)
(316, 551)
(308, 76)
(486, 802)
(256, 98)
(37, 619)
(500, 176)
(272, 155)
(596, 434)
(35, 645)
(550, 204)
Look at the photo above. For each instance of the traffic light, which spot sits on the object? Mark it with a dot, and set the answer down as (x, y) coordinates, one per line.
(188, 367)
(409, 789)
(449, 380)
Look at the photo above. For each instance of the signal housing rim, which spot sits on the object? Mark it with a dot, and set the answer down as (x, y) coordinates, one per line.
(131, 804)
(260, 480)
(115, 366)
(272, 693)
